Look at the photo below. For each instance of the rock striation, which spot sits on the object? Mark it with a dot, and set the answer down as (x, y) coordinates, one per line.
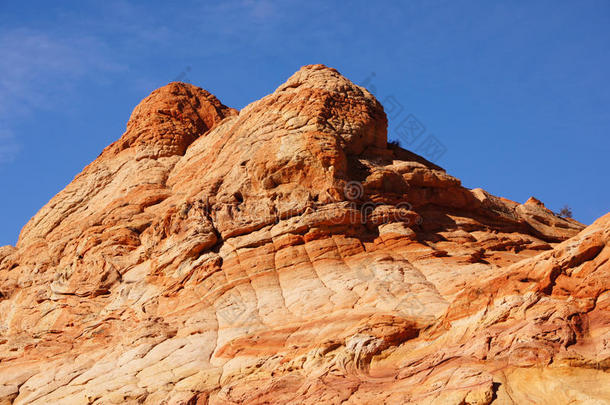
(286, 253)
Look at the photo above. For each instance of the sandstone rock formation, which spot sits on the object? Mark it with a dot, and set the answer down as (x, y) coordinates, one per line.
(286, 254)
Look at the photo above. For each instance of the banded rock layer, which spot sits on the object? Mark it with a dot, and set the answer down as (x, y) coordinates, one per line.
(286, 253)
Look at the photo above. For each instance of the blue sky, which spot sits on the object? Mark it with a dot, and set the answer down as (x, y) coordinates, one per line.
(516, 93)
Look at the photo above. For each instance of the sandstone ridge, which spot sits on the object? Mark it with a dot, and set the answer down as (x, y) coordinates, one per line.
(286, 253)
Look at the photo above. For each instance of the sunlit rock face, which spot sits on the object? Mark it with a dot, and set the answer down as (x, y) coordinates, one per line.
(287, 254)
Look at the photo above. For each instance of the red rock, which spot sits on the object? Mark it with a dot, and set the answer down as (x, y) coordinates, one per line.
(286, 254)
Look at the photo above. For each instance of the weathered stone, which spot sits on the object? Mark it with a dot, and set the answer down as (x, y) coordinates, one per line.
(286, 254)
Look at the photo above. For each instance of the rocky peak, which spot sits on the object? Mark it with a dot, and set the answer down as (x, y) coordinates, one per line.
(167, 121)
(338, 106)
(288, 254)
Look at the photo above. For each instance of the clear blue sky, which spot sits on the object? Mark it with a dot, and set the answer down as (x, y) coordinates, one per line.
(517, 92)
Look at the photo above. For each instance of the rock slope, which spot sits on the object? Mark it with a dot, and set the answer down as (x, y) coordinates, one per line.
(287, 254)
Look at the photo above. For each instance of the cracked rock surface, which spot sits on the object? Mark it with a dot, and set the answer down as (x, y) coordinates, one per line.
(286, 253)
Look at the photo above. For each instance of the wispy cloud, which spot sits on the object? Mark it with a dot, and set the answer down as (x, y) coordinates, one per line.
(36, 68)
(8, 146)
(261, 10)
(39, 71)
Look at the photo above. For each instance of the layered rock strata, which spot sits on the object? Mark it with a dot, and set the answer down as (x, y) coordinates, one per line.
(287, 254)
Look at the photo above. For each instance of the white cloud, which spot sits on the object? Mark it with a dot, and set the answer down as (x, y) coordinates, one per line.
(261, 10)
(36, 68)
(8, 147)
(39, 71)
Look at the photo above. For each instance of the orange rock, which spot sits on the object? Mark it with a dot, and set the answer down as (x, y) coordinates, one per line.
(286, 254)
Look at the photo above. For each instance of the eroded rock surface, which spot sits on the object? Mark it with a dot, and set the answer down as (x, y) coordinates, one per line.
(287, 254)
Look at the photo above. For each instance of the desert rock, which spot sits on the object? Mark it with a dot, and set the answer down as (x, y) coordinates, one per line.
(286, 253)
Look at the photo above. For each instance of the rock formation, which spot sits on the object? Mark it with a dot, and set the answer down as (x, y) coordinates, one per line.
(286, 254)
